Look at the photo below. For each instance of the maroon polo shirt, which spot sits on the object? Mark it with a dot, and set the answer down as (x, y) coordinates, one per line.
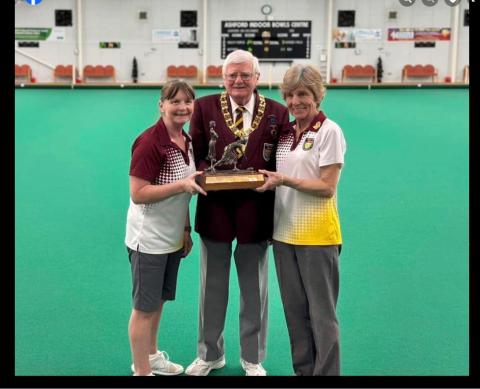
(156, 158)
(242, 214)
(291, 130)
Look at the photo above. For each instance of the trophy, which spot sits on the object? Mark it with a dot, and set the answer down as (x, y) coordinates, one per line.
(235, 178)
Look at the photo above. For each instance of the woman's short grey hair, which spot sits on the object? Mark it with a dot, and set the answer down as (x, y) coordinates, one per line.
(306, 76)
(241, 56)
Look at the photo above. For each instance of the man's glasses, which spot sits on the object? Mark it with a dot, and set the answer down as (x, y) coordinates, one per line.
(243, 76)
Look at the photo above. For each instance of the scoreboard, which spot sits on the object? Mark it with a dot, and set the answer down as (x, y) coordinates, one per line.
(268, 40)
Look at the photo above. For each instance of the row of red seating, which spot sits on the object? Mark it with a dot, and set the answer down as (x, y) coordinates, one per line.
(359, 71)
(23, 72)
(418, 71)
(214, 71)
(182, 71)
(63, 72)
(66, 71)
(99, 71)
(108, 71)
(408, 71)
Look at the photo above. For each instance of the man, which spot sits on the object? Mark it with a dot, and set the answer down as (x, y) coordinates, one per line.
(245, 215)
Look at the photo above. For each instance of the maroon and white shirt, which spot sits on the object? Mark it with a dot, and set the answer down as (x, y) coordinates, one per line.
(158, 228)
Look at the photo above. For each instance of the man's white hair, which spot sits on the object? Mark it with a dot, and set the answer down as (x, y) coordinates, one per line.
(241, 56)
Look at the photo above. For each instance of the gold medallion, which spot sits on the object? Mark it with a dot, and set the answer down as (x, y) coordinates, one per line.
(229, 121)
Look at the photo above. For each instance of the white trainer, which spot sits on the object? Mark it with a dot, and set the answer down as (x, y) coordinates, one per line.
(199, 367)
(161, 365)
(253, 368)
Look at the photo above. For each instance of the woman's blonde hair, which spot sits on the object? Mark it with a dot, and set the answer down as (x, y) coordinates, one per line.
(306, 76)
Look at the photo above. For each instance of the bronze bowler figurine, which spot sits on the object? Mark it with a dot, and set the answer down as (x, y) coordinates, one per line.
(230, 154)
(212, 157)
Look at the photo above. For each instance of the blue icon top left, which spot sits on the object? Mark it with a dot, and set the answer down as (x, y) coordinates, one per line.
(33, 2)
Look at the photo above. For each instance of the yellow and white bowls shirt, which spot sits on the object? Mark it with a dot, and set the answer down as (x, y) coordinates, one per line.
(302, 218)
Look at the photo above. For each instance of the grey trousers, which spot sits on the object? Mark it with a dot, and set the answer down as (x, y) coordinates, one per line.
(309, 282)
(252, 270)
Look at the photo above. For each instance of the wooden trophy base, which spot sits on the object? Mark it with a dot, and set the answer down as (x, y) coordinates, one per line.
(229, 179)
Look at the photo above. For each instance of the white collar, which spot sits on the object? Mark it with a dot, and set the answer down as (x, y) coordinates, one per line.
(249, 106)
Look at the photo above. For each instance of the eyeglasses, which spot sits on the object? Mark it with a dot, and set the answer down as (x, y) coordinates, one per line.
(243, 76)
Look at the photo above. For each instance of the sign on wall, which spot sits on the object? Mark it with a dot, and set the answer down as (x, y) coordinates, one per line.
(347, 38)
(39, 34)
(109, 45)
(268, 40)
(419, 34)
(367, 34)
(165, 35)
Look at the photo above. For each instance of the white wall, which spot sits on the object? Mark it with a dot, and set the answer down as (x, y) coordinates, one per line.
(113, 20)
(374, 14)
(52, 52)
(117, 20)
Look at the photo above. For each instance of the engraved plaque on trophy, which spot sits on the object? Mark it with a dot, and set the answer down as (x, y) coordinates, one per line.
(235, 178)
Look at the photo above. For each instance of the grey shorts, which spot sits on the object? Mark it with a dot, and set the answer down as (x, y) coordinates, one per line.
(154, 278)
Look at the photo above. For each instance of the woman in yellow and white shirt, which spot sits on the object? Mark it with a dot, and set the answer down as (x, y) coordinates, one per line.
(307, 236)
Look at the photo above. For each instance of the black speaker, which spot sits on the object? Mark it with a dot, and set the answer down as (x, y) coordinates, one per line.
(425, 44)
(188, 18)
(346, 18)
(28, 44)
(466, 17)
(63, 17)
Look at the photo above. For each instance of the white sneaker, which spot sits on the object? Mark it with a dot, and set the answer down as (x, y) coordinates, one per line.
(199, 367)
(161, 365)
(253, 368)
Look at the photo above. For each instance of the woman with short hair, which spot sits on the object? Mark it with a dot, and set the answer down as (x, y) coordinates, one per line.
(307, 236)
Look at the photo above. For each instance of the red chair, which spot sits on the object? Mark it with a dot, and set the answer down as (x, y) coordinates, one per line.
(214, 71)
(359, 71)
(172, 71)
(346, 72)
(370, 71)
(98, 72)
(211, 71)
(23, 72)
(88, 71)
(191, 71)
(417, 71)
(62, 72)
(182, 71)
(109, 71)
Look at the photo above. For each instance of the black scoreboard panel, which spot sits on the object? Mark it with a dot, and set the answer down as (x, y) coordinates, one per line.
(268, 40)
